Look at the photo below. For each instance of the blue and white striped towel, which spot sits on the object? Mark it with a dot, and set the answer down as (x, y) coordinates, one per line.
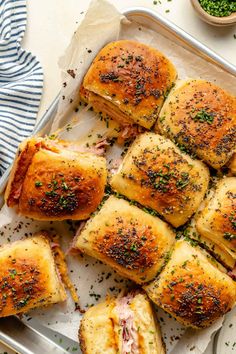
(21, 81)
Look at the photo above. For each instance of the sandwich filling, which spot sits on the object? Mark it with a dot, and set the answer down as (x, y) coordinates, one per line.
(126, 321)
(100, 104)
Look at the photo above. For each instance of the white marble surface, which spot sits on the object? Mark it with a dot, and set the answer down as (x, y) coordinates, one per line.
(52, 23)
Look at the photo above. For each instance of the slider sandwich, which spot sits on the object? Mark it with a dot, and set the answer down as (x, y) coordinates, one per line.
(193, 288)
(120, 326)
(29, 277)
(217, 220)
(55, 180)
(201, 117)
(128, 81)
(158, 175)
(133, 242)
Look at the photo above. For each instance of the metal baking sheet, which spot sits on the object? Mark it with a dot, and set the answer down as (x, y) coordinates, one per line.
(157, 23)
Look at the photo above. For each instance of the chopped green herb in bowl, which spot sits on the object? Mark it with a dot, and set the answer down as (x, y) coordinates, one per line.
(216, 12)
(218, 8)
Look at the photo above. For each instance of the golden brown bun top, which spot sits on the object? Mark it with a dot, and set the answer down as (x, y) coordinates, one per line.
(51, 180)
(202, 117)
(28, 276)
(134, 76)
(132, 241)
(158, 175)
(131, 237)
(191, 288)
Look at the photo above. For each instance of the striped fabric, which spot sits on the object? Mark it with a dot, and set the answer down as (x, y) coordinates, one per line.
(21, 81)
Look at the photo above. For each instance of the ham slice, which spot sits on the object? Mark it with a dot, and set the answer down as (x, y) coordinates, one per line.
(100, 147)
(130, 131)
(114, 167)
(72, 250)
(126, 321)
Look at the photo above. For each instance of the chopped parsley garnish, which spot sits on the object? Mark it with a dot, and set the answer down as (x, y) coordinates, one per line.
(229, 237)
(13, 273)
(51, 194)
(59, 196)
(232, 219)
(133, 247)
(23, 302)
(159, 179)
(204, 117)
(68, 127)
(183, 182)
(64, 186)
(38, 184)
(52, 137)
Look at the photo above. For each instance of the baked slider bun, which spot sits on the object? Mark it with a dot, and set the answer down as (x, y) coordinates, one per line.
(128, 239)
(51, 180)
(128, 81)
(202, 117)
(158, 175)
(28, 276)
(191, 288)
(217, 221)
(219, 252)
(123, 325)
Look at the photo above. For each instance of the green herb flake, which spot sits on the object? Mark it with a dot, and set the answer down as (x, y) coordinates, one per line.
(52, 137)
(229, 237)
(183, 182)
(133, 247)
(38, 184)
(13, 273)
(68, 127)
(64, 186)
(204, 117)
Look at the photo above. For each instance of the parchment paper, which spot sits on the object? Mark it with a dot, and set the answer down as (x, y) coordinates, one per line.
(102, 24)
